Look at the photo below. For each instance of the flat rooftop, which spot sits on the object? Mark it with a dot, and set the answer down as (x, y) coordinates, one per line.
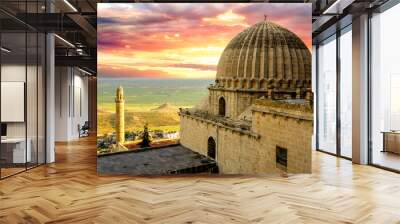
(155, 161)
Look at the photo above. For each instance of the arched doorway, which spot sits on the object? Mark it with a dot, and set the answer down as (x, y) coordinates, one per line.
(211, 149)
(221, 106)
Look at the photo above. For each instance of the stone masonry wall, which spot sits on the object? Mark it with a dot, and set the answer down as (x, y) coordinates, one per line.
(233, 151)
(236, 101)
(242, 153)
(286, 132)
(194, 134)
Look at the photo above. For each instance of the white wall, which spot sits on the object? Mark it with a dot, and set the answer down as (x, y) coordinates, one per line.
(71, 94)
(33, 127)
(14, 73)
(80, 110)
(62, 81)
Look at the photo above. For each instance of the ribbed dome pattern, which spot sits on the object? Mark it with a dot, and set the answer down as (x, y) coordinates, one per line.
(264, 56)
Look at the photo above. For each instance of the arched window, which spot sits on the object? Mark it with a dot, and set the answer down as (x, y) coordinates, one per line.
(221, 106)
(211, 149)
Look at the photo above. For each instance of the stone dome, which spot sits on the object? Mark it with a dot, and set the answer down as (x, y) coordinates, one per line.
(265, 56)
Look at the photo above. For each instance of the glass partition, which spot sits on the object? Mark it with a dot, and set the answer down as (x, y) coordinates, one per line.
(385, 89)
(346, 92)
(22, 90)
(327, 95)
(13, 86)
(334, 94)
(31, 98)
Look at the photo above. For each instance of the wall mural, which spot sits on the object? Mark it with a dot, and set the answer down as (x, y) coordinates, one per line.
(204, 88)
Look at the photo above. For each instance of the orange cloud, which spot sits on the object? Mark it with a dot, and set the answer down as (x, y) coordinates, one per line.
(181, 40)
(228, 18)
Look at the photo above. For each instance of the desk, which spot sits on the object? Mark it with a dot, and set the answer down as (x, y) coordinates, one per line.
(391, 141)
(15, 148)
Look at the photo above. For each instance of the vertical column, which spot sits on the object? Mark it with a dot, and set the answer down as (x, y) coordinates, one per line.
(338, 91)
(50, 92)
(360, 89)
(314, 90)
(50, 99)
(92, 101)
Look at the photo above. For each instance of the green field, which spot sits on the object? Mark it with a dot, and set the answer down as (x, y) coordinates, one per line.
(152, 101)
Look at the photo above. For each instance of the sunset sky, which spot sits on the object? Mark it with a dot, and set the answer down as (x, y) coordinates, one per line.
(182, 40)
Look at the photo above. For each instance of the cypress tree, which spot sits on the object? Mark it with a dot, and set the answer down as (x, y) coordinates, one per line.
(145, 138)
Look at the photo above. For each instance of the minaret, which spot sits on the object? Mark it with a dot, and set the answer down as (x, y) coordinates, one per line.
(120, 115)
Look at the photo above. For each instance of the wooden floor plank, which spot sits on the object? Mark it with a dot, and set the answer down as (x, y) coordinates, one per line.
(70, 191)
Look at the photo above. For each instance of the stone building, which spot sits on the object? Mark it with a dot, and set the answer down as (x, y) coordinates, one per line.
(120, 116)
(258, 117)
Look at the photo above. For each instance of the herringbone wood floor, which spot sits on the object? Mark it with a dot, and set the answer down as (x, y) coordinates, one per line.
(70, 191)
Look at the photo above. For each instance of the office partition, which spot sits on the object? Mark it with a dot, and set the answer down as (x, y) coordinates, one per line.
(385, 89)
(22, 77)
(333, 80)
(327, 95)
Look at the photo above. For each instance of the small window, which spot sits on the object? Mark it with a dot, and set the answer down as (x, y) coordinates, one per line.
(221, 106)
(281, 158)
(211, 151)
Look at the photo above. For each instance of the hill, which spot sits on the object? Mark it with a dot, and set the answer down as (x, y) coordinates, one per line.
(166, 107)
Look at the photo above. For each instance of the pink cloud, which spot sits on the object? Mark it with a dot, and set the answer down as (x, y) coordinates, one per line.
(130, 29)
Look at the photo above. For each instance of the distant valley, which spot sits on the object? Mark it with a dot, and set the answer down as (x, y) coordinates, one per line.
(152, 101)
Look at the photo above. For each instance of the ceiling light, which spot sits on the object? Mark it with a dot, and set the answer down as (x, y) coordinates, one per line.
(70, 5)
(5, 50)
(337, 7)
(86, 72)
(79, 51)
(64, 40)
(331, 7)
